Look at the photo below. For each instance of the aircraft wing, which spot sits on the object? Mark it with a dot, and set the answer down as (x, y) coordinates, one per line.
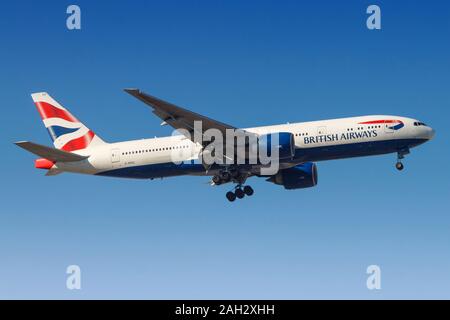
(177, 117)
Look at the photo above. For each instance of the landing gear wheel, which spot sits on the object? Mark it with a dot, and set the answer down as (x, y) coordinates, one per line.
(239, 193)
(248, 190)
(399, 166)
(230, 196)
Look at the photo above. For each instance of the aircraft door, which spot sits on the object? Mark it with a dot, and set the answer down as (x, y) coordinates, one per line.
(115, 157)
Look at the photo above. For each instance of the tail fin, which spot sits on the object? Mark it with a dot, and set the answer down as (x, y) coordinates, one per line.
(67, 133)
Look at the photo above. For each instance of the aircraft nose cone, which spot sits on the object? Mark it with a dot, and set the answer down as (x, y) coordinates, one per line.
(431, 133)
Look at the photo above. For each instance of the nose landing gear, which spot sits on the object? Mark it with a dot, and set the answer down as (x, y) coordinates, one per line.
(401, 155)
(399, 166)
(239, 193)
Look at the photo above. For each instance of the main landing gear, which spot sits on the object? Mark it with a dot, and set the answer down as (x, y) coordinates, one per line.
(234, 176)
(239, 193)
(401, 155)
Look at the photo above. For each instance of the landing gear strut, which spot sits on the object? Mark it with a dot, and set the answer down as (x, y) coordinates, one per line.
(239, 193)
(400, 155)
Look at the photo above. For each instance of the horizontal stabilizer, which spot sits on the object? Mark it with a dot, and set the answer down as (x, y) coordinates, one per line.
(50, 153)
(53, 172)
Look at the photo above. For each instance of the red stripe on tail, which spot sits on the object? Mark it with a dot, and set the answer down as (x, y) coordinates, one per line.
(47, 111)
(79, 143)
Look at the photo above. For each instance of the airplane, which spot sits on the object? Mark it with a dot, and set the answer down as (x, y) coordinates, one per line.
(77, 149)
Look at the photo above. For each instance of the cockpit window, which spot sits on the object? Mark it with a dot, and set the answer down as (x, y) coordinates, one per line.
(417, 124)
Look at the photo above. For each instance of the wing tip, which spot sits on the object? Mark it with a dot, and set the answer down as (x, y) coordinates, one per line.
(19, 143)
(131, 90)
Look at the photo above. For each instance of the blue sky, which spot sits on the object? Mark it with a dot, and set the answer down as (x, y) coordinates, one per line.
(244, 63)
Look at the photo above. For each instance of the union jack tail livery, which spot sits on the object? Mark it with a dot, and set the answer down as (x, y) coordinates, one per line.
(299, 146)
(66, 131)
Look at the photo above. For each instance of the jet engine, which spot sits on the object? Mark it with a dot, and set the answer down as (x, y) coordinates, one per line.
(282, 141)
(298, 177)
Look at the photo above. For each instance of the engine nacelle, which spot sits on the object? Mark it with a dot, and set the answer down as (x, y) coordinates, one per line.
(282, 141)
(298, 177)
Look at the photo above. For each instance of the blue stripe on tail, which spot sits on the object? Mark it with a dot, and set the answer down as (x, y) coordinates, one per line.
(57, 131)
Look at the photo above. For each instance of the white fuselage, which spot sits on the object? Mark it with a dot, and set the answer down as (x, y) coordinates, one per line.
(314, 141)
